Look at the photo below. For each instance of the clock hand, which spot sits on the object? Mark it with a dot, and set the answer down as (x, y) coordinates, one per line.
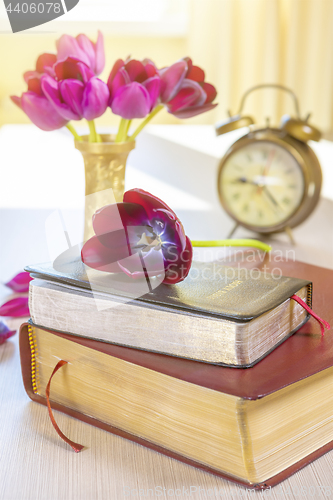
(242, 180)
(272, 198)
(266, 168)
(269, 162)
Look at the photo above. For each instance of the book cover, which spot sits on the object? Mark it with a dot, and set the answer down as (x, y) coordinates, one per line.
(215, 315)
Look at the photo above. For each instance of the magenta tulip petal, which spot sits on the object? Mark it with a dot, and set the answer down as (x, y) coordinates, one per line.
(30, 74)
(51, 89)
(20, 282)
(95, 98)
(41, 112)
(197, 74)
(116, 67)
(99, 54)
(118, 217)
(131, 101)
(15, 307)
(44, 61)
(149, 202)
(16, 100)
(120, 80)
(194, 111)
(172, 79)
(5, 332)
(74, 69)
(189, 63)
(34, 85)
(191, 94)
(68, 46)
(153, 86)
(72, 94)
(185, 98)
(136, 71)
(88, 48)
(150, 68)
(210, 92)
(102, 258)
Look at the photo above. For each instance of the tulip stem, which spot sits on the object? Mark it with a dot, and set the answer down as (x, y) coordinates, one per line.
(145, 121)
(92, 128)
(127, 128)
(122, 131)
(233, 243)
(73, 131)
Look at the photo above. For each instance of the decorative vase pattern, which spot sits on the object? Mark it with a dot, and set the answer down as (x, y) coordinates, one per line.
(104, 165)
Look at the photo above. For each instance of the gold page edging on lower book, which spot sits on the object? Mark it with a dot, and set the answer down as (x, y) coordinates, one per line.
(33, 355)
(245, 440)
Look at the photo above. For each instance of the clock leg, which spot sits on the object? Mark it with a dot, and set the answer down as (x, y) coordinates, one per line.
(290, 234)
(233, 230)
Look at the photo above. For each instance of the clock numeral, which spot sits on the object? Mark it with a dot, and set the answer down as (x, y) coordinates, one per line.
(249, 157)
(292, 186)
(236, 196)
(245, 207)
(260, 214)
(286, 200)
(289, 171)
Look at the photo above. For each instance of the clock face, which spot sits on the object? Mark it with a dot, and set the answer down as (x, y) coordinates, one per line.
(261, 184)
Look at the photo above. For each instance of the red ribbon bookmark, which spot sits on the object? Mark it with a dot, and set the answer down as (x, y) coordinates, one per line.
(321, 321)
(76, 447)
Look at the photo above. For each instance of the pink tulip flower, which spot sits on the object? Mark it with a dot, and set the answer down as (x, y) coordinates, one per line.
(134, 88)
(90, 53)
(184, 91)
(76, 92)
(38, 108)
(140, 235)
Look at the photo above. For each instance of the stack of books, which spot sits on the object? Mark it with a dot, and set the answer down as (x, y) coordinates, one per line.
(209, 371)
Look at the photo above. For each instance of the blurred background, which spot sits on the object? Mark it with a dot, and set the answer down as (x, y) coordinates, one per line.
(239, 43)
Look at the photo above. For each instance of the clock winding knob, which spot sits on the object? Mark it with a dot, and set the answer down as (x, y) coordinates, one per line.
(300, 129)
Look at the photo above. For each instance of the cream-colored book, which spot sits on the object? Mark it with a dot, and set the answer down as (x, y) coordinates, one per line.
(215, 315)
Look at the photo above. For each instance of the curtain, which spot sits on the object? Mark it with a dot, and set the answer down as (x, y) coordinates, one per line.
(242, 43)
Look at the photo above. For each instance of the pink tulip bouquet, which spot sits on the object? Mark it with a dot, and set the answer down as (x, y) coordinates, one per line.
(65, 87)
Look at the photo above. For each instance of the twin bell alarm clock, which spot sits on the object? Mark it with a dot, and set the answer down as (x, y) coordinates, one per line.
(270, 179)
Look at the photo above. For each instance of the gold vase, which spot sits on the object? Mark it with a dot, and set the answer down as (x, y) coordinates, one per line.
(104, 166)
